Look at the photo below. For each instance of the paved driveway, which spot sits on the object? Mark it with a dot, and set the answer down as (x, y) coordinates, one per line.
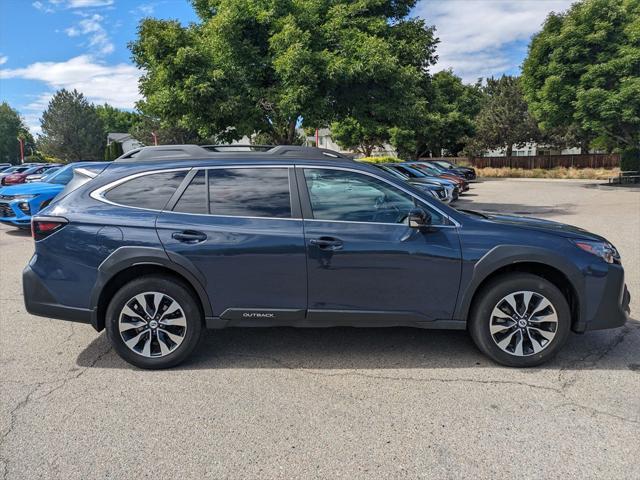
(335, 403)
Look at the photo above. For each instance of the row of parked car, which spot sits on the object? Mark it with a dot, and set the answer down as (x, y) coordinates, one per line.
(26, 172)
(28, 188)
(442, 179)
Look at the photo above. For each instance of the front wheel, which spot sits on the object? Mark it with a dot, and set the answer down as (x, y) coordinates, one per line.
(520, 320)
(154, 322)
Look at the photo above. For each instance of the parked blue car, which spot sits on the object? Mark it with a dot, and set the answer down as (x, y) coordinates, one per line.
(171, 239)
(19, 202)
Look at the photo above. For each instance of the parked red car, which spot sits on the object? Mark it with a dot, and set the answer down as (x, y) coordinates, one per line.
(21, 177)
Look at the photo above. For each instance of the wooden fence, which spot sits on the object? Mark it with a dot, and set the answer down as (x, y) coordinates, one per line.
(588, 160)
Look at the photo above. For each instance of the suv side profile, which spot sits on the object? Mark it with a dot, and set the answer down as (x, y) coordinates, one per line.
(166, 241)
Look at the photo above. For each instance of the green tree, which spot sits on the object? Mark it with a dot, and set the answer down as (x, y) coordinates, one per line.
(582, 72)
(504, 119)
(113, 151)
(71, 128)
(115, 120)
(441, 120)
(267, 67)
(359, 136)
(166, 133)
(11, 128)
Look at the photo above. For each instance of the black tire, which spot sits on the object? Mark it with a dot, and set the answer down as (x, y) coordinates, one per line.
(177, 291)
(499, 288)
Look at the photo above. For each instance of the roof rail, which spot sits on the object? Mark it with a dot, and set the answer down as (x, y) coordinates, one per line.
(207, 152)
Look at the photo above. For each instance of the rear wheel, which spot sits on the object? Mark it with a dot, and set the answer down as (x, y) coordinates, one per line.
(520, 320)
(154, 322)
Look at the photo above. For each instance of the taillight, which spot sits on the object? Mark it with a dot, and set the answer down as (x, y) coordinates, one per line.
(42, 227)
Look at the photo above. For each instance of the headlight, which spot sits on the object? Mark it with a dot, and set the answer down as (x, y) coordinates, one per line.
(604, 250)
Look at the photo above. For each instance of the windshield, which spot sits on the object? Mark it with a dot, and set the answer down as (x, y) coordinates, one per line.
(393, 171)
(15, 170)
(444, 164)
(424, 169)
(434, 167)
(48, 173)
(61, 176)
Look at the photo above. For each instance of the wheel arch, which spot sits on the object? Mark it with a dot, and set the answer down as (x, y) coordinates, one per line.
(127, 263)
(508, 259)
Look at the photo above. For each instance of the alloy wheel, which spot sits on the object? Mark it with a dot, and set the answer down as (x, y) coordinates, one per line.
(152, 324)
(523, 323)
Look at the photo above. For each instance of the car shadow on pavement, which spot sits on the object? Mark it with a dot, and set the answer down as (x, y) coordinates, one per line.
(375, 348)
(19, 232)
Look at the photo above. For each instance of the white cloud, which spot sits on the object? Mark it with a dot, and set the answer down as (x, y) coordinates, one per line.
(3, 59)
(42, 7)
(32, 112)
(113, 84)
(116, 85)
(145, 9)
(89, 3)
(474, 34)
(91, 26)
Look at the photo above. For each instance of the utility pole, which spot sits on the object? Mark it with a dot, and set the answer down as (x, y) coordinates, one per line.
(21, 142)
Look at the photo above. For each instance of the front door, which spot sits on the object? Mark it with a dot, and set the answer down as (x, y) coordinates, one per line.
(240, 228)
(365, 264)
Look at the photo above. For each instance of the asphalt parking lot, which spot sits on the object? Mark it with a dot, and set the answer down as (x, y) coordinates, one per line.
(329, 403)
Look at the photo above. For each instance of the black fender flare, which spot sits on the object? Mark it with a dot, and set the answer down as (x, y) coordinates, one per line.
(130, 256)
(506, 255)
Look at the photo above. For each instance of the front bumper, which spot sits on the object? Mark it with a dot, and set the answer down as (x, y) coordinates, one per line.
(39, 301)
(606, 299)
(12, 215)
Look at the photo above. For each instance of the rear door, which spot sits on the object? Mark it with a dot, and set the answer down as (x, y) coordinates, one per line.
(241, 228)
(365, 264)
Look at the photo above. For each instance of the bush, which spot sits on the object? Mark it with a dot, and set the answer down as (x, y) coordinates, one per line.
(560, 172)
(382, 159)
(630, 160)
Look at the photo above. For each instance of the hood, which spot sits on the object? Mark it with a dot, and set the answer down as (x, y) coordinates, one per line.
(37, 188)
(544, 225)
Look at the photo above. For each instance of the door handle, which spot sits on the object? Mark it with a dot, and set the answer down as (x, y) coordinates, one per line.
(189, 236)
(327, 243)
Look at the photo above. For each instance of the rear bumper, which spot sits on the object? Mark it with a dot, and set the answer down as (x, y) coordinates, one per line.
(39, 301)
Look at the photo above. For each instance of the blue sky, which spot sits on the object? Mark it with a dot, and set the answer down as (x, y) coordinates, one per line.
(50, 44)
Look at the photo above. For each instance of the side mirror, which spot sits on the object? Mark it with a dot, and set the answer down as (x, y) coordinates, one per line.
(419, 218)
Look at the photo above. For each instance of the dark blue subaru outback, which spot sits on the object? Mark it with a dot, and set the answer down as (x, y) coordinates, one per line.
(168, 240)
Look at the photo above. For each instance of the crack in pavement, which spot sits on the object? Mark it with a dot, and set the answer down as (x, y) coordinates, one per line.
(599, 355)
(30, 398)
(557, 390)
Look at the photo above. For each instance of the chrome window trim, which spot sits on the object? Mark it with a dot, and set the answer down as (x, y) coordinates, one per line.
(99, 193)
(456, 224)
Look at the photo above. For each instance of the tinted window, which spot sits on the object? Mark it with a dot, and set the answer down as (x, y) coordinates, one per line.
(148, 191)
(194, 198)
(249, 192)
(354, 197)
(61, 177)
